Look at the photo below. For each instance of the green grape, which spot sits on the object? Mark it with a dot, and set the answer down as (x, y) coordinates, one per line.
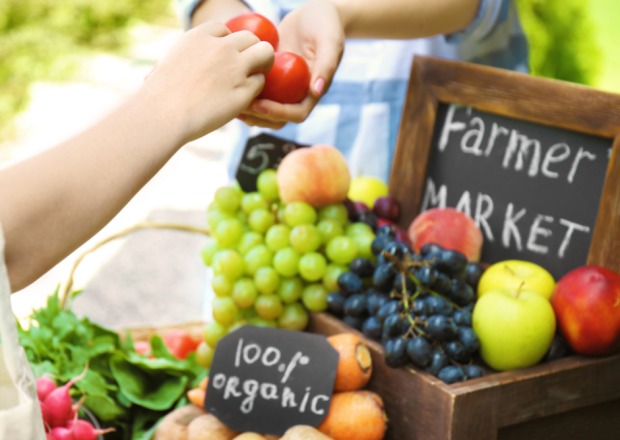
(238, 324)
(267, 184)
(357, 228)
(268, 306)
(262, 322)
(290, 290)
(211, 206)
(242, 217)
(329, 229)
(204, 355)
(236, 186)
(332, 272)
(228, 199)
(209, 250)
(314, 297)
(312, 266)
(224, 310)
(341, 250)
(278, 237)
(335, 211)
(228, 231)
(221, 285)
(214, 332)
(280, 216)
(215, 216)
(299, 213)
(305, 238)
(244, 293)
(364, 243)
(266, 280)
(293, 317)
(247, 314)
(257, 257)
(248, 241)
(252, 201)
(286, 262)
(228, 262)
(260, 220)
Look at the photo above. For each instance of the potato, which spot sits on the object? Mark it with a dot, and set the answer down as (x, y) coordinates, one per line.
(302, 432)
(208, 427)
(174, 425)
(250, 436)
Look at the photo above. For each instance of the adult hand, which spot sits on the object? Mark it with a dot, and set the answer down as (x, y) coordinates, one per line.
(208, 78)
(315, 32)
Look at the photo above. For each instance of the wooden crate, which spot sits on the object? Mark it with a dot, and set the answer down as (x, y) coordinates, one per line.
(575, 398)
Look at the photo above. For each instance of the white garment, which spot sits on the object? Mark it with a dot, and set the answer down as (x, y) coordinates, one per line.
(20, 413)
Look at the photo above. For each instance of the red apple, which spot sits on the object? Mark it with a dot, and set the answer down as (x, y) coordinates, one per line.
(383, 222)
(402, 236)
(448, 228)
(387, 208)
(586, 302)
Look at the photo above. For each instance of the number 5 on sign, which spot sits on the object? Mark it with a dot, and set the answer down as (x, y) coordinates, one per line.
(257, 152)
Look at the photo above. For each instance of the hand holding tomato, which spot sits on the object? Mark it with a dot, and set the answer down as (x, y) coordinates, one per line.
(257, 24)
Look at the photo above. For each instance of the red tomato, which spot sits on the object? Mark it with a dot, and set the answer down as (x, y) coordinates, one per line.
(143, 348)
(179, 343)
(257, 24)
(288, 80)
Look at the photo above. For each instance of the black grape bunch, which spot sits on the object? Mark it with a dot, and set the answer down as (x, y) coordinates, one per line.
(419, 306)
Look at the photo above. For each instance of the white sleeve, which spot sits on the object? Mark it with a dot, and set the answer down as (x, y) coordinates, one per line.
(268, 8)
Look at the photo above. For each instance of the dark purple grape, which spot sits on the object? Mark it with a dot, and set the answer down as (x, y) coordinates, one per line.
(389, 230)
(396, 352)
(462, 318)
(362, 267)
(473, 273)
(442, 284)
(426, 276)
(398, 249)
(335, 303)
(387, 309)
(469, 339)
(394, 325)
(383, 279)
(430, 247)
(438, 306)
(456, 352)
(350, 283)
(356, 306)
(451, 374)
(470, 307)
(419, 351)
(558, 349)
(438, 361)
(473, 371)
(419, 307)
(372, 328)
(374, 302)
(441, 328)
(370, 218)
(452, 263)
(461, 292)
(351, 321)
(350, 208)
(398, 283)
(379, 243)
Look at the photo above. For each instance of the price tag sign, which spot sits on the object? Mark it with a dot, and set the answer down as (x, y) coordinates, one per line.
(262, 152)
(267, 380)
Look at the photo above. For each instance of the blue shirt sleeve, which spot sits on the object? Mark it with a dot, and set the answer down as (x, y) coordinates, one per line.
(491, 13)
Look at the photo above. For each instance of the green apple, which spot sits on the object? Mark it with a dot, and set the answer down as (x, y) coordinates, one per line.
(515, 328)
(511, 274)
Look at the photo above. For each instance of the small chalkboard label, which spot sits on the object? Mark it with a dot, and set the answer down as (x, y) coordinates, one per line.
(262, 152)
(267, 380)
(533, 190)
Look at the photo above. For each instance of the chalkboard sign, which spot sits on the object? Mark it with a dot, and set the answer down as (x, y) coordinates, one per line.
(533, 161)
(267, 380)
(262, 152)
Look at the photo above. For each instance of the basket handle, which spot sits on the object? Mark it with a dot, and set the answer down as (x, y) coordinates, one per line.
(142, 225)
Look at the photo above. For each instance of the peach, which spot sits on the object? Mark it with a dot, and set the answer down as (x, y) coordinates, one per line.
(318, 175)
(449, 229)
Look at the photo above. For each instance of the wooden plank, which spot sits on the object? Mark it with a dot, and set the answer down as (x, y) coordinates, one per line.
(598, 422)
(475, 415)
(605, 246)
(520, 96)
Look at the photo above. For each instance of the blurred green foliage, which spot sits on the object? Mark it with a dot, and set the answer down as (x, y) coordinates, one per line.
(40, 39)
(563, 39)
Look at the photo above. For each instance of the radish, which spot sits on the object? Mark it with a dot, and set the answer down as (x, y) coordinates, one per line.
(44, 387)
(61, 433)
(46, 415)
(85, 431)
(58, 403)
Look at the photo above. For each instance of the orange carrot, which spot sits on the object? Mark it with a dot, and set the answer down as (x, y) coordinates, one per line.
(354, 364)
(197, 397)
(355, 415)
(203, 384)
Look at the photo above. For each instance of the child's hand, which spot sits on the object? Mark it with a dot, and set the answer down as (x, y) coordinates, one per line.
(315, 32)
(208, 78)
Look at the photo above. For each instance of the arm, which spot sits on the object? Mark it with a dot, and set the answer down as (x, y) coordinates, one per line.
(220, 10)
(53, 202)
